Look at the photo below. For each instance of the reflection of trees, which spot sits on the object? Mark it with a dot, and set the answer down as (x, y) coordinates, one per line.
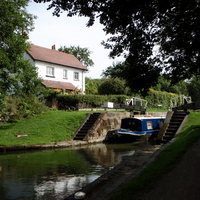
(29, 164)
(100, 154)
(49, 169)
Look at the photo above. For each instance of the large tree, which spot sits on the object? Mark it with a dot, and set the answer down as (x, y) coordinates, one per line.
(112, 86)
(82, 54)
(15, 23)
(137, 26)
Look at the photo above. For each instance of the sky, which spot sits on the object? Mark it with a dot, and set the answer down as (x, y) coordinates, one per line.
(70, 31)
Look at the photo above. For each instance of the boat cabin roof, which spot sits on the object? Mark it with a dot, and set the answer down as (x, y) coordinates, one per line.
(144, 118)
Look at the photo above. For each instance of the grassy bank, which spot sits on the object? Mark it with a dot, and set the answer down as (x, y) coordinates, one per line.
(164, 162)
(54, 126)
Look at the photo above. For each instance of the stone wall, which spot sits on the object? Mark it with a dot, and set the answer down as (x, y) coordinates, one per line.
(106, 122)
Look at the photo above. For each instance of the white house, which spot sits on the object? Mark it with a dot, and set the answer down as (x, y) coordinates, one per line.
(58, 70)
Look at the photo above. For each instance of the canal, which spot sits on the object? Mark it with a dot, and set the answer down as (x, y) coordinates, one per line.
(55, 174)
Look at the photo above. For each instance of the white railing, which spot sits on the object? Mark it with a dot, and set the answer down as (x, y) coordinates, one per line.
(135, 101)
(180, 100)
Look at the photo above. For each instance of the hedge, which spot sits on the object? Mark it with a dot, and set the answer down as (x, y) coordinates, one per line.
(156, 98)
(91, 100)
(78, 101)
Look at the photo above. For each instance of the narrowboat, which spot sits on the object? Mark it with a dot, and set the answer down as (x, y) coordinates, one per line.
(137, 128)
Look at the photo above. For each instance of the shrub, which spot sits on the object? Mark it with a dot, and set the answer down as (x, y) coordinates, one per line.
(15, 108)
(92, 100)
(155, 98)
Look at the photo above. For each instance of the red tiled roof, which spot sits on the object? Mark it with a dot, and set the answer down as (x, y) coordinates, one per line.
(55, 57)
(58, 85)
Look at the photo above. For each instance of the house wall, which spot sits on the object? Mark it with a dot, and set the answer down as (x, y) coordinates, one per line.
(58, 73)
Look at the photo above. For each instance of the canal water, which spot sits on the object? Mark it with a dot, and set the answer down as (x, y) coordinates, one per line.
(55, 174)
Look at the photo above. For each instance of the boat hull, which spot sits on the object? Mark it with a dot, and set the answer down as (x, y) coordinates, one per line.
(130, 135)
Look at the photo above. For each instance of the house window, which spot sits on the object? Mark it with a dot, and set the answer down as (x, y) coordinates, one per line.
(65, 73)
(50, 71)
(76, 76)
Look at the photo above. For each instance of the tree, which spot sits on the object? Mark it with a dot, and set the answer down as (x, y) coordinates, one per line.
(165, 84)
(83, 54)
(90, 86)
(139, 78)
(112, 86)
(194, 88)
(137, 26)
(27, 81)
(15, 23)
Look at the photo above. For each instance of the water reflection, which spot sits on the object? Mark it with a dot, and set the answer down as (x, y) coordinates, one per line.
(58, 173)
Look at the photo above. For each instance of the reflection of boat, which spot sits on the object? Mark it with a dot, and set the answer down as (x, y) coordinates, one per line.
(137, 128)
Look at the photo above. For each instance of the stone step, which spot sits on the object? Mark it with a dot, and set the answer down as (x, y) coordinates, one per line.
(88, 124)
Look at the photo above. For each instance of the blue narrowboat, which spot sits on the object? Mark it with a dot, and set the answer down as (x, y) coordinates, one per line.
(138, 128)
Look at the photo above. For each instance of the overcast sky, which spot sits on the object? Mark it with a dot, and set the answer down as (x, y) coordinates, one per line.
(66, 31)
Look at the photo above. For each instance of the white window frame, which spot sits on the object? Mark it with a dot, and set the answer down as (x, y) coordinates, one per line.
(50, 71)
(76, 76)
(64, 73)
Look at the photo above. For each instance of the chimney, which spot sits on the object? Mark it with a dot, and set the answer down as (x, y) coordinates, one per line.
(54, 47)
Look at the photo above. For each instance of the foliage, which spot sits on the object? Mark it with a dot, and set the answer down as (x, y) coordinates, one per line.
(15, 108)
(194, 88)
(136, 27)
(156, 98)
(112, 86)
(90, 86)
(93, 100)
(28, 82)
(165, 84)
(139, 78)
(153, 97)
(82, 54)
(15, 23)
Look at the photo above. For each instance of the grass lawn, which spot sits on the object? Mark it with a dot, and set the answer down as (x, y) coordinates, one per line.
(54, 126)
(164, 162)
